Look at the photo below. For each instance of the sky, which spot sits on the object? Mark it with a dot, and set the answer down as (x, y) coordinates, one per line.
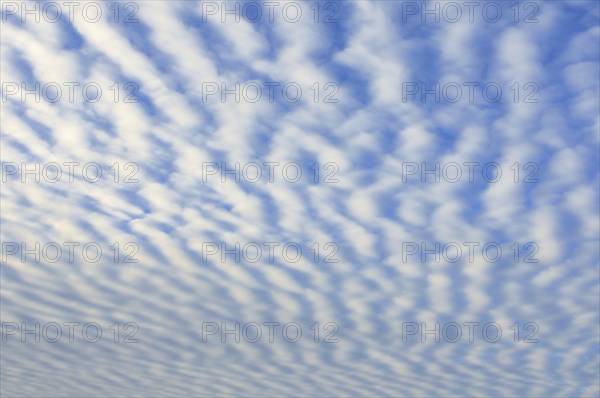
(300, 198)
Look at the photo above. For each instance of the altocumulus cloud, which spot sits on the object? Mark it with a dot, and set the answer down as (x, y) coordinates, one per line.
(355, 198)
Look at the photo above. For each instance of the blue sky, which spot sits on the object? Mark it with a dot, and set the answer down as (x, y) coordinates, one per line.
(370, 137)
